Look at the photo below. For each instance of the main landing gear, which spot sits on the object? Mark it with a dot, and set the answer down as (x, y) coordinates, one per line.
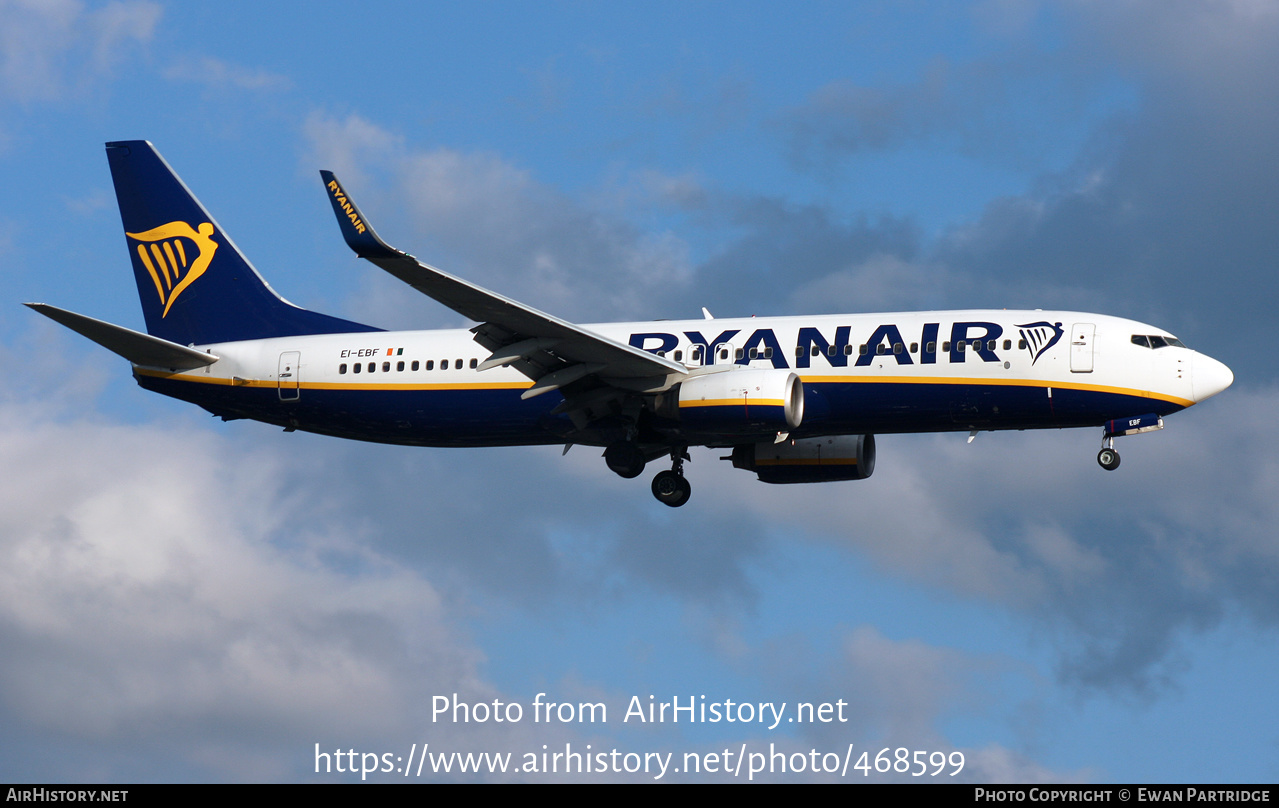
(669, 486)
(1108, 457)
(626, 459)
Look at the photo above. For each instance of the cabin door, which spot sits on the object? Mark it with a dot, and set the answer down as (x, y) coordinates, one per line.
(287, 378)
(1081, 342)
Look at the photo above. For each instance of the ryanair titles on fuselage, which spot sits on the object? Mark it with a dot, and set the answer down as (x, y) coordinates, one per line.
(977, 337)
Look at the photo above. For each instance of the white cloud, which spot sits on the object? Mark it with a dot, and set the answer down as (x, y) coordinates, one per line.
(218, 74)
(49, 48)
(156, 583)
(509, 231)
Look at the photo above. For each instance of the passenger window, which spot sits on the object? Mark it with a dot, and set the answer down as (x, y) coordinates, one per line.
(342, 368)
(356, 367)
(931, 348)
(990, 346)
(662, 354)
(914, 347)
(1008, 345)
(475, 363)
(457, 364)
(738, 354)
(864, 349)
(430, 364)
(832, 350)
(754, 354)
(723, 354)
(1021, 344)
(696, 355)
(848, 350)
(812, 350)
(679, 356)
(386, 367)
(880, 349)
(372, 366)
(399, 366)
(799, 350)
(898, 347)
(415, 365)
(768, 353)
(945, 346)
(959, 346)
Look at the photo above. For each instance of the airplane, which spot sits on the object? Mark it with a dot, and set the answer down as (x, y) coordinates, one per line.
(795, 399)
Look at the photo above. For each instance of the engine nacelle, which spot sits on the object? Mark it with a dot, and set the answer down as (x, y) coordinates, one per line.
(741, 402)
(810, 460)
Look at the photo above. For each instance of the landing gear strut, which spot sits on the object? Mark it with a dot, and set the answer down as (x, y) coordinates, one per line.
(669, 486)
(1108, 457)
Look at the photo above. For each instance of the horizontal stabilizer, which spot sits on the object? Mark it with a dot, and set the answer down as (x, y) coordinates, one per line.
(138, 348)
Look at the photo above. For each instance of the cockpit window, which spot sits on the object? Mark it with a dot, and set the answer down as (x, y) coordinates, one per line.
(1155, 341)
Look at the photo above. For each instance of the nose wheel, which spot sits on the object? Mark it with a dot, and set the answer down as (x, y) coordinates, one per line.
(669, 486)
(1108, 458)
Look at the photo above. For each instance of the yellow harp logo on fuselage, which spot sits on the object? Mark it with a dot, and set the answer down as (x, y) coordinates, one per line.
(163, 251)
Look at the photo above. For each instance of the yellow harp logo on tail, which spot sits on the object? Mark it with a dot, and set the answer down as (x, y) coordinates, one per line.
(164, 252)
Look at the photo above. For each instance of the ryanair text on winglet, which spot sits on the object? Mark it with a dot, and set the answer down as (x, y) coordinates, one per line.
(346, 206)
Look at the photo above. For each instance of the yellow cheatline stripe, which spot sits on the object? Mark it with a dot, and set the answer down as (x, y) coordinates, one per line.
(1040, 383)
(271, 383)
(726, 402)
(812, 461)
(735, 402)
(411, 386)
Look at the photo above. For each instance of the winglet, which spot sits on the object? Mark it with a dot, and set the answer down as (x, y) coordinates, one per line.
(357, 231)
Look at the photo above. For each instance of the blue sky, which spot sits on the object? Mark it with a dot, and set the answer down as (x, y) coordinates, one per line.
(182, 599)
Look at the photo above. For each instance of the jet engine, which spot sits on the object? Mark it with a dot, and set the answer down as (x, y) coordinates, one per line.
(809, 460)
(750, 402)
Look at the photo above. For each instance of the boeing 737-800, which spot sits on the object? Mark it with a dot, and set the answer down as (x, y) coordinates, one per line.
(794, 399)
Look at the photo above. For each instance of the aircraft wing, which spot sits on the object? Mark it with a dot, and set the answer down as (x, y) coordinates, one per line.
(550, 351)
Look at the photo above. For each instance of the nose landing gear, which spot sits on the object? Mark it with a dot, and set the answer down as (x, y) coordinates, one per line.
(669, 486)
(1108, 457)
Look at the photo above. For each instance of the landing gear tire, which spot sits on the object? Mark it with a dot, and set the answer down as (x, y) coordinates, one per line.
(671, 488)
(625, 459)
(1109, 459)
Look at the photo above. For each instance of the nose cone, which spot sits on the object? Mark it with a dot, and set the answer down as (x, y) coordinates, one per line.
(1210, 377)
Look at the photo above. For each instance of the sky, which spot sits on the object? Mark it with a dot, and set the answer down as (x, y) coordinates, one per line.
(187, 600)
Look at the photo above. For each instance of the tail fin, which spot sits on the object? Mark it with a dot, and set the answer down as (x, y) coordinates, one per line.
(195, 285)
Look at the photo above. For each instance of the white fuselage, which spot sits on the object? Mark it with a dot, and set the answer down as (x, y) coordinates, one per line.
(887, 372)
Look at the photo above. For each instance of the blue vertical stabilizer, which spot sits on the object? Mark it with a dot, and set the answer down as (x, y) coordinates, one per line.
(195, 285)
